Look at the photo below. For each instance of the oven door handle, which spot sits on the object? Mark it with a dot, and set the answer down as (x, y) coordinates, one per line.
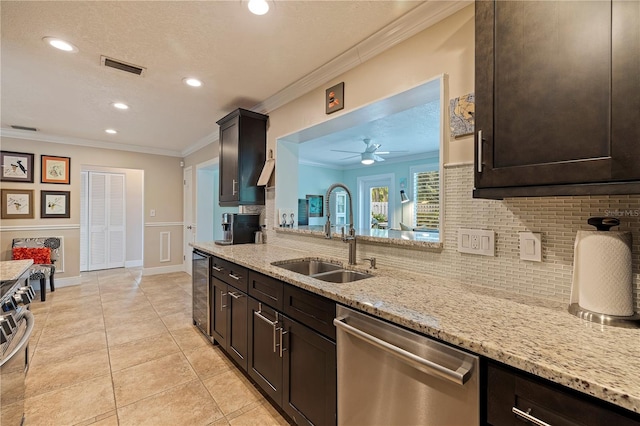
(28, 316)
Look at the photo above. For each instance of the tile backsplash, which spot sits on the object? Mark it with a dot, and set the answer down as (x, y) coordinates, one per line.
(556, 218)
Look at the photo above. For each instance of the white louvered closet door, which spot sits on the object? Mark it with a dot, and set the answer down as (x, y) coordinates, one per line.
(106, 218)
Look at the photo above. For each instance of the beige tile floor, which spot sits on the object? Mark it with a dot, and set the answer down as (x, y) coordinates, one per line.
(120, 349)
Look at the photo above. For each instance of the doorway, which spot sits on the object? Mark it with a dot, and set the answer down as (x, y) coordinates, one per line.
(376, 201)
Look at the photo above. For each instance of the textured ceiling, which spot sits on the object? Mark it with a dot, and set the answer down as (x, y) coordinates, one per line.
(243, 59)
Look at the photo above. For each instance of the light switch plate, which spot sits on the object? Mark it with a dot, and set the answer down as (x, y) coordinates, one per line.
(531, 246)
(476, 241)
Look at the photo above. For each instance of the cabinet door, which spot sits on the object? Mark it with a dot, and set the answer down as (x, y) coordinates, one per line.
(310, 381)
(229, 139)
(545, 110)
(237, 331)
(265, 362)
(219, 300)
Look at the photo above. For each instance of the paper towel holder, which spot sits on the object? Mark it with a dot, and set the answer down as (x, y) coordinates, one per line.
(632, 321)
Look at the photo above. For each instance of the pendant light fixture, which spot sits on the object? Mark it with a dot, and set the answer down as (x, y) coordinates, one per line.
(258, 7)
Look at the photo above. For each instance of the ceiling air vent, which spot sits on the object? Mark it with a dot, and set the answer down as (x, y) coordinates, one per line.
(122, 66)
(31, 129)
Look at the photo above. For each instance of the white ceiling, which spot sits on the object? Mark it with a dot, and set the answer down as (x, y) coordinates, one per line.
(244, 60)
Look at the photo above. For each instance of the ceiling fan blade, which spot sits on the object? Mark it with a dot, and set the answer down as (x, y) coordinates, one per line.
(339, 150)
(377, 157)
(389, 152)
(351, 156)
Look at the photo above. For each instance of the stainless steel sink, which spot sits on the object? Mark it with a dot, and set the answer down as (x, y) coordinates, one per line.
(342, 276)
(322, 270)
(308, 266)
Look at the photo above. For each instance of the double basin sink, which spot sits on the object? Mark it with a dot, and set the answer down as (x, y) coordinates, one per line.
(322, 270)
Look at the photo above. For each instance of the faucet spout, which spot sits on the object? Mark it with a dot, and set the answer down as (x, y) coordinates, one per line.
(351, 239)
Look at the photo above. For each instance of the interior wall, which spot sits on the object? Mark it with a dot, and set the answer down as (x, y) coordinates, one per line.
(162, 187)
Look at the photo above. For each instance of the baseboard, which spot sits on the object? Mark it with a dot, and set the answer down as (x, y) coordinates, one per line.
(59, 282)
(133, 263)
(163, 269)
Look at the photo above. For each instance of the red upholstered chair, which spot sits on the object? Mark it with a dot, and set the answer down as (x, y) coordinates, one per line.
(44, 252)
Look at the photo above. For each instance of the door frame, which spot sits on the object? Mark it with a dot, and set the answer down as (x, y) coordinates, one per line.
(365, 183)
(188, 226)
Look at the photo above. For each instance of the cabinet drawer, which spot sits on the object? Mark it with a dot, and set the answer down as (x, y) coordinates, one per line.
(311, 310)
(230, 273)
(266, 289)
(508, 389)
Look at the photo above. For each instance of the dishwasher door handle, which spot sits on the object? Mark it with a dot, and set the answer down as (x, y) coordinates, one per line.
(459, 376)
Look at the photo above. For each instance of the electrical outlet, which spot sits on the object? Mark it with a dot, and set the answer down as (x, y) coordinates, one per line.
(152, 213)
(476, 241)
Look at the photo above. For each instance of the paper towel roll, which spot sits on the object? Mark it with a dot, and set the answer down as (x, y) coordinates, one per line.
(602, 275)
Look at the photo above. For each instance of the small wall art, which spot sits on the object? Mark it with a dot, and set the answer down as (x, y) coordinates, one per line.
(55, 204)
(462, 115)
(315, 205)
(16, 166)
(55, 169)
(16, 203)
(334, 98)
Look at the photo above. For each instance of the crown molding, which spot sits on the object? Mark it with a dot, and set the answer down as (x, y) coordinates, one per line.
(411, 23)
(210, 138)
(43, 137)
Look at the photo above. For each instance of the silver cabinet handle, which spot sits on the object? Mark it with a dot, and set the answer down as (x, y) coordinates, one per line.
(528, 417)
(282, 333)
(215, 268)
(235, 277)
(235, 187)
(24, 341)
(273, 324)
(235, 296)
(460, 376)
(221, 296)
(479, 151)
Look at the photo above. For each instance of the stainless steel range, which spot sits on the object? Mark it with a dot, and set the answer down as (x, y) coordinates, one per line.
(16, 325)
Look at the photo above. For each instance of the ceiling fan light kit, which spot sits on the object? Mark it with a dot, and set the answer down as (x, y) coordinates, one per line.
(367, 158)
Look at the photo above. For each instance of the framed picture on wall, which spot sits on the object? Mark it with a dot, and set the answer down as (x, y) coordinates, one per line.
(55, 169)
(55, 204)
(16, 166)
(16, 203)
(315, 205)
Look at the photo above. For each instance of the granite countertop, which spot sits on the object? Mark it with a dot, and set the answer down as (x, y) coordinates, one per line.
(10, 270)
(536, 336)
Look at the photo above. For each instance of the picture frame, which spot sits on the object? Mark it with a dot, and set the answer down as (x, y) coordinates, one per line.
(55, 169)
(316, 206)
(55, 204)
(16, 166)
(16, 203)
(334, 98)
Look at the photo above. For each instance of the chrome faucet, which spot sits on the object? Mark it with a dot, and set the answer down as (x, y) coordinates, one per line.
(351, 238)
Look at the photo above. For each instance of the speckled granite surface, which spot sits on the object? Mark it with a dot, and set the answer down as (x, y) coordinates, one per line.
(12, 269)
(533, 335)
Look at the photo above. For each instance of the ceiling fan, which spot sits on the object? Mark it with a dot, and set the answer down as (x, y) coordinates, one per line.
(370, 153)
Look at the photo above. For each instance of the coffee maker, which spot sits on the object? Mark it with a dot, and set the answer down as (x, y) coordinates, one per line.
(239, 228)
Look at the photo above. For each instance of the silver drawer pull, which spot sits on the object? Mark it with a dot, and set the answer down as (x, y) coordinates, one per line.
(282, 348)
(215, 268)
(235, 277)
(273, 324)
(528, 417)
(234, 295)
(235, 187)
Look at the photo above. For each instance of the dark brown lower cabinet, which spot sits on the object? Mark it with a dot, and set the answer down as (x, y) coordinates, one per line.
(219, 312)
(293, 364)
(512, 396)
(229, 320)
(309, 382)
(237, 337)
(265, 363)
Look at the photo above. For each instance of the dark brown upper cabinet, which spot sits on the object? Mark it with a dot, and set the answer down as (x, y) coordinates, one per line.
(243, 142)
(557, 94)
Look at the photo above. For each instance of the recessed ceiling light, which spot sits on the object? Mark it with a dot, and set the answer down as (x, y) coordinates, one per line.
(193, 82)
(258, 7)
(60, 44)
(111, 131)
(120, 105)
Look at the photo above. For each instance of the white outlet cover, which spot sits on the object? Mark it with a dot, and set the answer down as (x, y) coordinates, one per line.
(476, 241)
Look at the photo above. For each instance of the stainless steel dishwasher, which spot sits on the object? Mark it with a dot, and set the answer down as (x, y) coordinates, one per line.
(390, 376)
